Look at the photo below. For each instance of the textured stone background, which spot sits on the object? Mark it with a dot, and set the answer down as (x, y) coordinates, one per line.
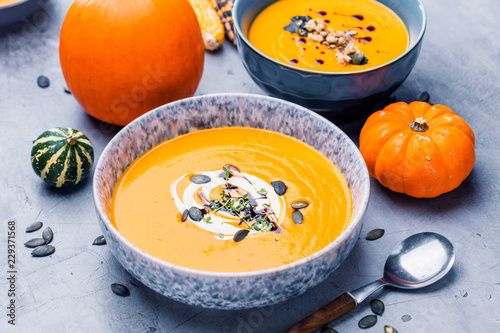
(69, 292)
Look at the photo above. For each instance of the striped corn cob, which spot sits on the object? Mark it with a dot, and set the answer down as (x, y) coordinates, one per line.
(211, 26)
(225, 10)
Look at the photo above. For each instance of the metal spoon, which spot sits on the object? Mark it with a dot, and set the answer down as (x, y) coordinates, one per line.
(416, 262)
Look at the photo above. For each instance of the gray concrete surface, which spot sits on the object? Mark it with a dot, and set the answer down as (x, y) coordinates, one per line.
(70, 291)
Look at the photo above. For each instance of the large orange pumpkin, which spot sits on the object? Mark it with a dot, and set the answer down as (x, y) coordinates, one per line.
(418, 149)
(121, 59)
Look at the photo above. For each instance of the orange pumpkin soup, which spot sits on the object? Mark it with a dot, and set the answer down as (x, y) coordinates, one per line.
(221, 200)
(329, 35)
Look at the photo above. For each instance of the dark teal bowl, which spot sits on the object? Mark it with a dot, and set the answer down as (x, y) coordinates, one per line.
(10, 14)
(343, 96)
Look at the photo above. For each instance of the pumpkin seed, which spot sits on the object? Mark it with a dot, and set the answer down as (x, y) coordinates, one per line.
(303, 18)
(43, 81)
(390, 329)
(297, 217)
(120, 289)
(291, 27)
(377, 306)
(299, 204)
(34, 226)
(374, 234)
(200, 179)
(390, 99)
(42, 251)
(406, 318)
(328, 330)
(195, 214)
(100, 240)
(35, 242)
(184, 215)
(240, 235)
(356, 58)
(279, 187)
(48, 235)
(424, 97)
(367, 321)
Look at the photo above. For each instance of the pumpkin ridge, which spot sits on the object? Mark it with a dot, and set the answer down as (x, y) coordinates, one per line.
(372, 154)
(425, 176)
(383, 169)
(461, 140)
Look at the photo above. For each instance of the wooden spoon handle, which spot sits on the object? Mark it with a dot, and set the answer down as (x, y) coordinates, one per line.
(336, 308)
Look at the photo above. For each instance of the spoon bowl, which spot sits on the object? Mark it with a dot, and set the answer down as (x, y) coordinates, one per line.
(419, 260)
(416, 262)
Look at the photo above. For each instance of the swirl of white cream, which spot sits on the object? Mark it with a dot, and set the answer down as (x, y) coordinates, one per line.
(218, 224)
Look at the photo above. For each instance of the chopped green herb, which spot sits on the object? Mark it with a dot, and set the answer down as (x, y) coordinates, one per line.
(241, 206)
(227, 170)
(221, 235)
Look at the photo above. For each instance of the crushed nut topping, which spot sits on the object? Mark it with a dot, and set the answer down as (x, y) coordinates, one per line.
(342, 42)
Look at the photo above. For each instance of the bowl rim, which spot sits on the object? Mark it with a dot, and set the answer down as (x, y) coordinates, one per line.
(237, 25)
(14, 4)
(103, 218)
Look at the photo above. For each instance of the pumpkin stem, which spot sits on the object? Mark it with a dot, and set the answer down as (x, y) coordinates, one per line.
(71, 140)
(419, 125)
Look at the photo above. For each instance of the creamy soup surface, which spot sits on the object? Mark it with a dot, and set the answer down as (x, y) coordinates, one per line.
(364, 26)
(235, 167)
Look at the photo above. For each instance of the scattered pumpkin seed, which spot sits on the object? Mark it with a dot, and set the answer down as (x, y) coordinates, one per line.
(48, 235)
(195, 214)
(390, 99)
(43, 81)
(200, 179)
(35, 242)
(390, 329)
(406, 318)
(184, 215)
(374, 234)
(299, 204)
(43, 251)
(367, 321)
(424, 96)
(100, 240)
(34, 226)
(377, 306)
(297, 217)
(240, 235)
(120, 289)
(279, 187)
(327, 329)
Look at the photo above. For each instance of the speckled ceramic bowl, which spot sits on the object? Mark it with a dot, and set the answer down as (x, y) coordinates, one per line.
(229, 290)
(346, 96)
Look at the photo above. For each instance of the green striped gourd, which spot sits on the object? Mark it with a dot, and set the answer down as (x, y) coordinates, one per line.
(62, 156)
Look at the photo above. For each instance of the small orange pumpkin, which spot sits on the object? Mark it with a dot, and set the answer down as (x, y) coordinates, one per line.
(121, 59)
(418, 149)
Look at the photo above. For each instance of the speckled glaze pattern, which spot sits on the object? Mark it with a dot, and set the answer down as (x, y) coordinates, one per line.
(340, 93)
(229, 290)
